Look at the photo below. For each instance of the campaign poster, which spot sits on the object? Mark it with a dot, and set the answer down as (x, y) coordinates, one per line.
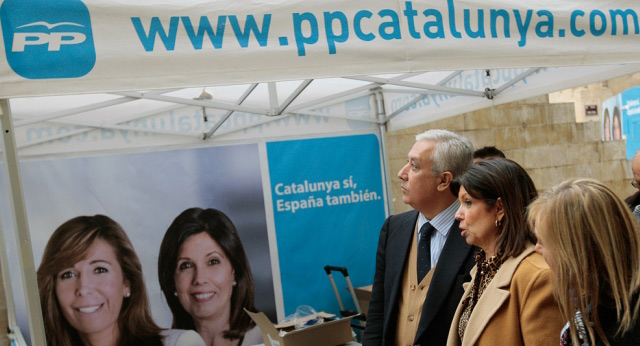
(328, 205)
(144, 192)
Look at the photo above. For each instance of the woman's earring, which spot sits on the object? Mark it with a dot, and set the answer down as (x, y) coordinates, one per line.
(234, 283)
(175, 294)
(497, 223)
(127, 295)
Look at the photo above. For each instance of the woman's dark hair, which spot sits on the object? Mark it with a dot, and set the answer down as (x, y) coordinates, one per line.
(505, 179)
(69, 244)
(220, 228)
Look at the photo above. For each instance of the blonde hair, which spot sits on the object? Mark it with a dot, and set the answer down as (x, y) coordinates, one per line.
(592, 242)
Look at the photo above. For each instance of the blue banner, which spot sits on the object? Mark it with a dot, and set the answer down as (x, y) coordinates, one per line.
(328, 203)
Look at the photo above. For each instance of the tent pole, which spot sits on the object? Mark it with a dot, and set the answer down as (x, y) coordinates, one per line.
(226, 116)
(273, 99)
(8, 291)
(441, 88)
(382, 127)
(25, 252)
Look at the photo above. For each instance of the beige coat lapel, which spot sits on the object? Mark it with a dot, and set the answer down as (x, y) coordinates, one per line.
(494, 296)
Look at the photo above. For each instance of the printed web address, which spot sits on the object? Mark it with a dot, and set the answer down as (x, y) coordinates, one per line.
(338, 28)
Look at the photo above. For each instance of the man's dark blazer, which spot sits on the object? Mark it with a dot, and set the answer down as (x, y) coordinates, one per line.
(445, 291)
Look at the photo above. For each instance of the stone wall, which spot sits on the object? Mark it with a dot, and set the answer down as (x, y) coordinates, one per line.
(594, 94)
(543, 137)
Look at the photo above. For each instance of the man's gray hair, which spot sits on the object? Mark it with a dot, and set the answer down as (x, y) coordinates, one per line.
(453, 153)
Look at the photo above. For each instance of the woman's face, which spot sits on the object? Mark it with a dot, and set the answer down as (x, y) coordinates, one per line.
(204, 278)
(91, 292)
(478, 222)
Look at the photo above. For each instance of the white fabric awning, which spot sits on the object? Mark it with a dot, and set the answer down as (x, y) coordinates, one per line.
(73, 46)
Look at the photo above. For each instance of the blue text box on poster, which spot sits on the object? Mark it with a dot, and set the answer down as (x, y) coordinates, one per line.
(328, 204)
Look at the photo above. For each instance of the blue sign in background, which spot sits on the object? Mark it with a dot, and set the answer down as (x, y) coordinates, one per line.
(630, 109)
(328, 204)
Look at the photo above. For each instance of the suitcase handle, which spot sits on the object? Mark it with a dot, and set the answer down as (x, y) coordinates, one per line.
(330, 269)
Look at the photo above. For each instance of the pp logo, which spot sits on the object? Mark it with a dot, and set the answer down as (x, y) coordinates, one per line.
(46, 39)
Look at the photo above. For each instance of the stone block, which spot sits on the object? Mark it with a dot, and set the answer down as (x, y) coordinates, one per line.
(592, 131)
(534, 115)
(590, 152)
(541, 99)
(577, 132)
(538, 157)
(399, 146)
(507, 115)
(480, 119)
(569, 171)
(455, 124)
(544, 178)
(479, 138)
(613, 150)
(535, 136)
(516, 155)
(579, 153)
(559, 155)
(612, 171)
(508, 138)
(536, 175)
(628, 174)
(559, 113)
(583, 170)
(560, 133)
(403, 132)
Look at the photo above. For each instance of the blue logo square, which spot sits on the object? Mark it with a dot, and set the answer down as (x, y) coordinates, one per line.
(48, 39)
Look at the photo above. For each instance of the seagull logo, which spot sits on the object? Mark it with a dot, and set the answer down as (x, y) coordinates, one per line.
(49, 26)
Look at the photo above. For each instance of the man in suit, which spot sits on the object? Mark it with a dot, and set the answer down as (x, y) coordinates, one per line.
(413, 303)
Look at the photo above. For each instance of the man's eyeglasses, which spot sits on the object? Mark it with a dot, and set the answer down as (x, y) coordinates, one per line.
(635, 184)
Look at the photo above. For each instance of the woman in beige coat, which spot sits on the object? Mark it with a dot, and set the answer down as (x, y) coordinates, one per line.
(510, 299)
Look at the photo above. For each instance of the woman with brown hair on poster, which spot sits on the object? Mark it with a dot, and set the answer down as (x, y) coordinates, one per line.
(92, 290)
(206, 278)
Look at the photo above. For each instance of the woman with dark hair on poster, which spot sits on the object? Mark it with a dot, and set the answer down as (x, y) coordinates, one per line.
(591, 241)
(206, 278)
(92, 290)
(616, 125)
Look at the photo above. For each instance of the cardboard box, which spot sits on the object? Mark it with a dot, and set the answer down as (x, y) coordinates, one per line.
(364, 295)
(327, 333)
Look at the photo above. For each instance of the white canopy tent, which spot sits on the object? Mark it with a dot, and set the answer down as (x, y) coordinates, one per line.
(73, 66)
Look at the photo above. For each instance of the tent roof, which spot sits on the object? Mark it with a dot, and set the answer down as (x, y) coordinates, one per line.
(407, 100)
